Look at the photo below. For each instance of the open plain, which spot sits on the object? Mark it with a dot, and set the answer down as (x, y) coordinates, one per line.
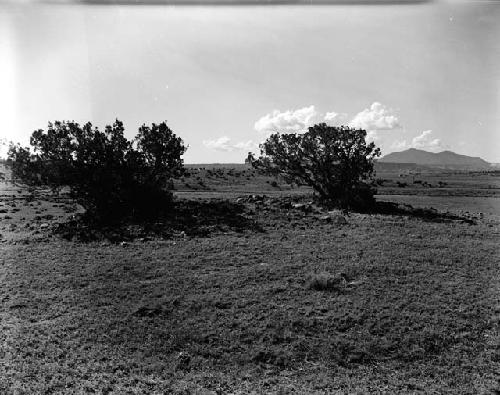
(253, 289)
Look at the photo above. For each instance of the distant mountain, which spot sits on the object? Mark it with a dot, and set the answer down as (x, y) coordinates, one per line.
(444, 159)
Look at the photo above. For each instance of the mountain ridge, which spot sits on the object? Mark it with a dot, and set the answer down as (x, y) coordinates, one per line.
(445, 158)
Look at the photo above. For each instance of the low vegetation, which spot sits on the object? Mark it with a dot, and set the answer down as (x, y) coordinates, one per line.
(382, 303)
(336, 162)
(241, 283)
(111, 177)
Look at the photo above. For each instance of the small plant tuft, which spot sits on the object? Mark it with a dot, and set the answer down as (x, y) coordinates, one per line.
(327, 282)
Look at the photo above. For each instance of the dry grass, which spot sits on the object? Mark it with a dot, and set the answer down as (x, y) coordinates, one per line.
(234, 312)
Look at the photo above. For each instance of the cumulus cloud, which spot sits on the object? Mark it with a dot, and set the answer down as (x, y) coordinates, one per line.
(225, 144)
(335, 119)
(424, 141)
(377, 117)
(376, 120)
(286, 122)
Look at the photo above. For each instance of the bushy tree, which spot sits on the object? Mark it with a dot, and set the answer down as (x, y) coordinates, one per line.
(336, 162)
(110, 176)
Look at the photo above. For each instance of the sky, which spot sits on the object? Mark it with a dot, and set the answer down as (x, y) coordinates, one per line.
(423, 75)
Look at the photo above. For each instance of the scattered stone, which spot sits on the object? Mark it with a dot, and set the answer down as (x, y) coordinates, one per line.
(351, 284)
(256, 198)
(123, 244)
(45, 225)
(334, 218)
(304, 207)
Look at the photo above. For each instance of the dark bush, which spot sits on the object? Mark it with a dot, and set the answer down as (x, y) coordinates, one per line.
(111, 177)
(335, 161)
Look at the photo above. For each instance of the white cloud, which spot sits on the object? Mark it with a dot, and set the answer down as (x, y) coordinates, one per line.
(375, 120)
(335, 119)
(220, 144)
(377, 117)
(286, 122)
(225, 144)
(249, 145)
(399, 145)
(424, 141)
(372, 136)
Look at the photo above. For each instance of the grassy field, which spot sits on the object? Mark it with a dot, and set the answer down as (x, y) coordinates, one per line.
(271, 298)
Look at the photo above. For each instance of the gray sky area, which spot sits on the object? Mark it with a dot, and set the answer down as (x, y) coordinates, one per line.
(425, 75)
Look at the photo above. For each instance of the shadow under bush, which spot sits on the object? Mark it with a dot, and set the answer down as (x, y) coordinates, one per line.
(185, 218)
(426, 214)
(366, 204)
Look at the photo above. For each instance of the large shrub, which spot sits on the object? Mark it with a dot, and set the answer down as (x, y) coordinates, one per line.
(111, 177)
(336, 162)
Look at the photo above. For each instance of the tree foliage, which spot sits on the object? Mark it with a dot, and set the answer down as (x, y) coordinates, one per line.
(110, 176)
(336, 162)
